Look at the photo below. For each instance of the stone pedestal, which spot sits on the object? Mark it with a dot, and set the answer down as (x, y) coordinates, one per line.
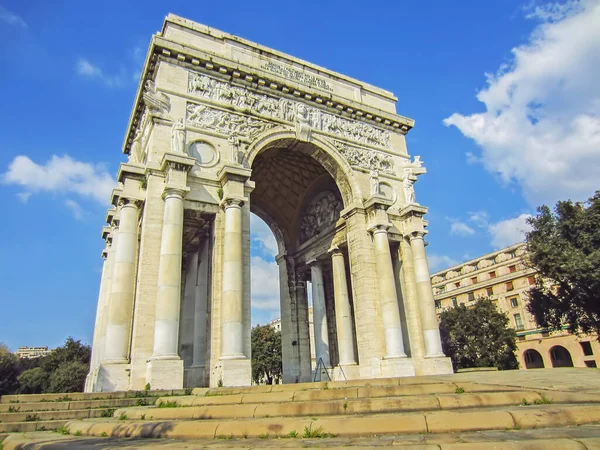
(165, 373)
(236, 372)
(113, 377)
(435, 366)
(397, 367)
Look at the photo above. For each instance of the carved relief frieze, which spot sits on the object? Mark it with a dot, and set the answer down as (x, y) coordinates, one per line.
(306, 117)
(225, 122)
(321, 212)
(365, 158)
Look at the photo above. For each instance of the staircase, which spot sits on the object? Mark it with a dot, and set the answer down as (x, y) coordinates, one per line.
(423, 411)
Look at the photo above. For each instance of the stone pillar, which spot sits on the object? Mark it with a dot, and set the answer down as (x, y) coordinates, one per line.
(186, 326)
(165, 369)
(388, 296)
(431, 330)
(120, 310)
(200, 311)
(232, 329)
(343, 310)
(319, 313)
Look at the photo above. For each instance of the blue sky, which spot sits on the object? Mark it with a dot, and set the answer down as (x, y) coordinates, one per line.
(504, 94)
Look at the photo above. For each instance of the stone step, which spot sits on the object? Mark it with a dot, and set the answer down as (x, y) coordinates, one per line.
(84, 396)
(80, 404)
(542, 416)
(561, 438)
(356, 406)
(54, 415)
(215, 398)
(22, 427)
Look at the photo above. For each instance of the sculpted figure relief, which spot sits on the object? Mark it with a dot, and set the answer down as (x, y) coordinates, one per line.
(368, 159)
(322, 211)
(135, 154)
(287, 110)
(409, 188)
(178, 137)
(156, 101)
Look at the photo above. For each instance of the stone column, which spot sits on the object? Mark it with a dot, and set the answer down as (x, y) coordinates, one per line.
(319, 313)
(166, 326)
(200, 311)
(186, 325)
(343, 310)
(388, 296)
(431, 330)
(232, 327)
(120, 309)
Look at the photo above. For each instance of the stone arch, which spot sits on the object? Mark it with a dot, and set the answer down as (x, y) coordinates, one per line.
(319, 149)
(533, 359)
(560, 357)
(280, 235)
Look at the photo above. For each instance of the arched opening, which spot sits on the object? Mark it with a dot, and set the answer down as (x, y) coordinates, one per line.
(533, 359)
(297, 197)
(560, 357)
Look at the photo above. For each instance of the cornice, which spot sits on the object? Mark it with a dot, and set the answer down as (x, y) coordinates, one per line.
(162, 49)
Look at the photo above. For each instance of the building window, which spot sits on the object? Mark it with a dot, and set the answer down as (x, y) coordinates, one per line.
(492, 275)
(531, 280)
(471, 296)
(438, 304)
(509, 286)
(591, 363)
(514, 302)
(490, 291)
(512, 269)
(454, 301)
(586, 346)
(474, 280)
(518, 322)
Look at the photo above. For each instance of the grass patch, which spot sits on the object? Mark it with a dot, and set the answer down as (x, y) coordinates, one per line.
(291, 435)
(167, 404)
(224, 436)
(263, 436)
(123, 417)
(141, 402)
(459, 390)
(543, 401)
(14, 409)
(316, 433)
(31, 417)
(108, 412)
(524, 402)
(104, 434)
(143, 417)
(78, 433)
(63, 430)
(345, 406)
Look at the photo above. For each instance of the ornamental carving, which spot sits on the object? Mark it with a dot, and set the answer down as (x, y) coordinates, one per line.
(225, 122)
(286, 110)
(367, 159)
(322, 212)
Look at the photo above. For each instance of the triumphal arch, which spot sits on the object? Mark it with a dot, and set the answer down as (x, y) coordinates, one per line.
(222, 127)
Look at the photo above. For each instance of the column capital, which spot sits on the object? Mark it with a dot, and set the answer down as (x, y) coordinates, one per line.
(171, 191)
(379, 228)
(176, 161)
(129, 201)
(417, 235)
(232, 202)
(313, 262)
(335, 250)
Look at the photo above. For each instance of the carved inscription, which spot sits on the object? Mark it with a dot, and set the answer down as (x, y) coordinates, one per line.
(297, 75)
(286, 110)
(367, 159)
(225, 122)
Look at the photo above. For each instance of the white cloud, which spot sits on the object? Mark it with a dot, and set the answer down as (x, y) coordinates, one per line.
(438, 262)
(24, 196)
(461, 229)
(61, 174)
(262, 234)
(265, 284)
(77, 210)
(11, 18)
(508, 232)
(88, 70)
(541, 127)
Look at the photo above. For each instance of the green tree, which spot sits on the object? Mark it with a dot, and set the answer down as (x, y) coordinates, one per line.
(72, 350)
(478, 336)
(266, 354)
(9, 371)
(33, 381)
(68, 377)
(564, 246)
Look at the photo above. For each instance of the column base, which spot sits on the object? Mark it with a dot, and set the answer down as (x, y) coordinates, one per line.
(165, 373)
(431, 365)
(112, 377)
(236, 372)
(91, 380)
(397, 367)
(194, 376)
